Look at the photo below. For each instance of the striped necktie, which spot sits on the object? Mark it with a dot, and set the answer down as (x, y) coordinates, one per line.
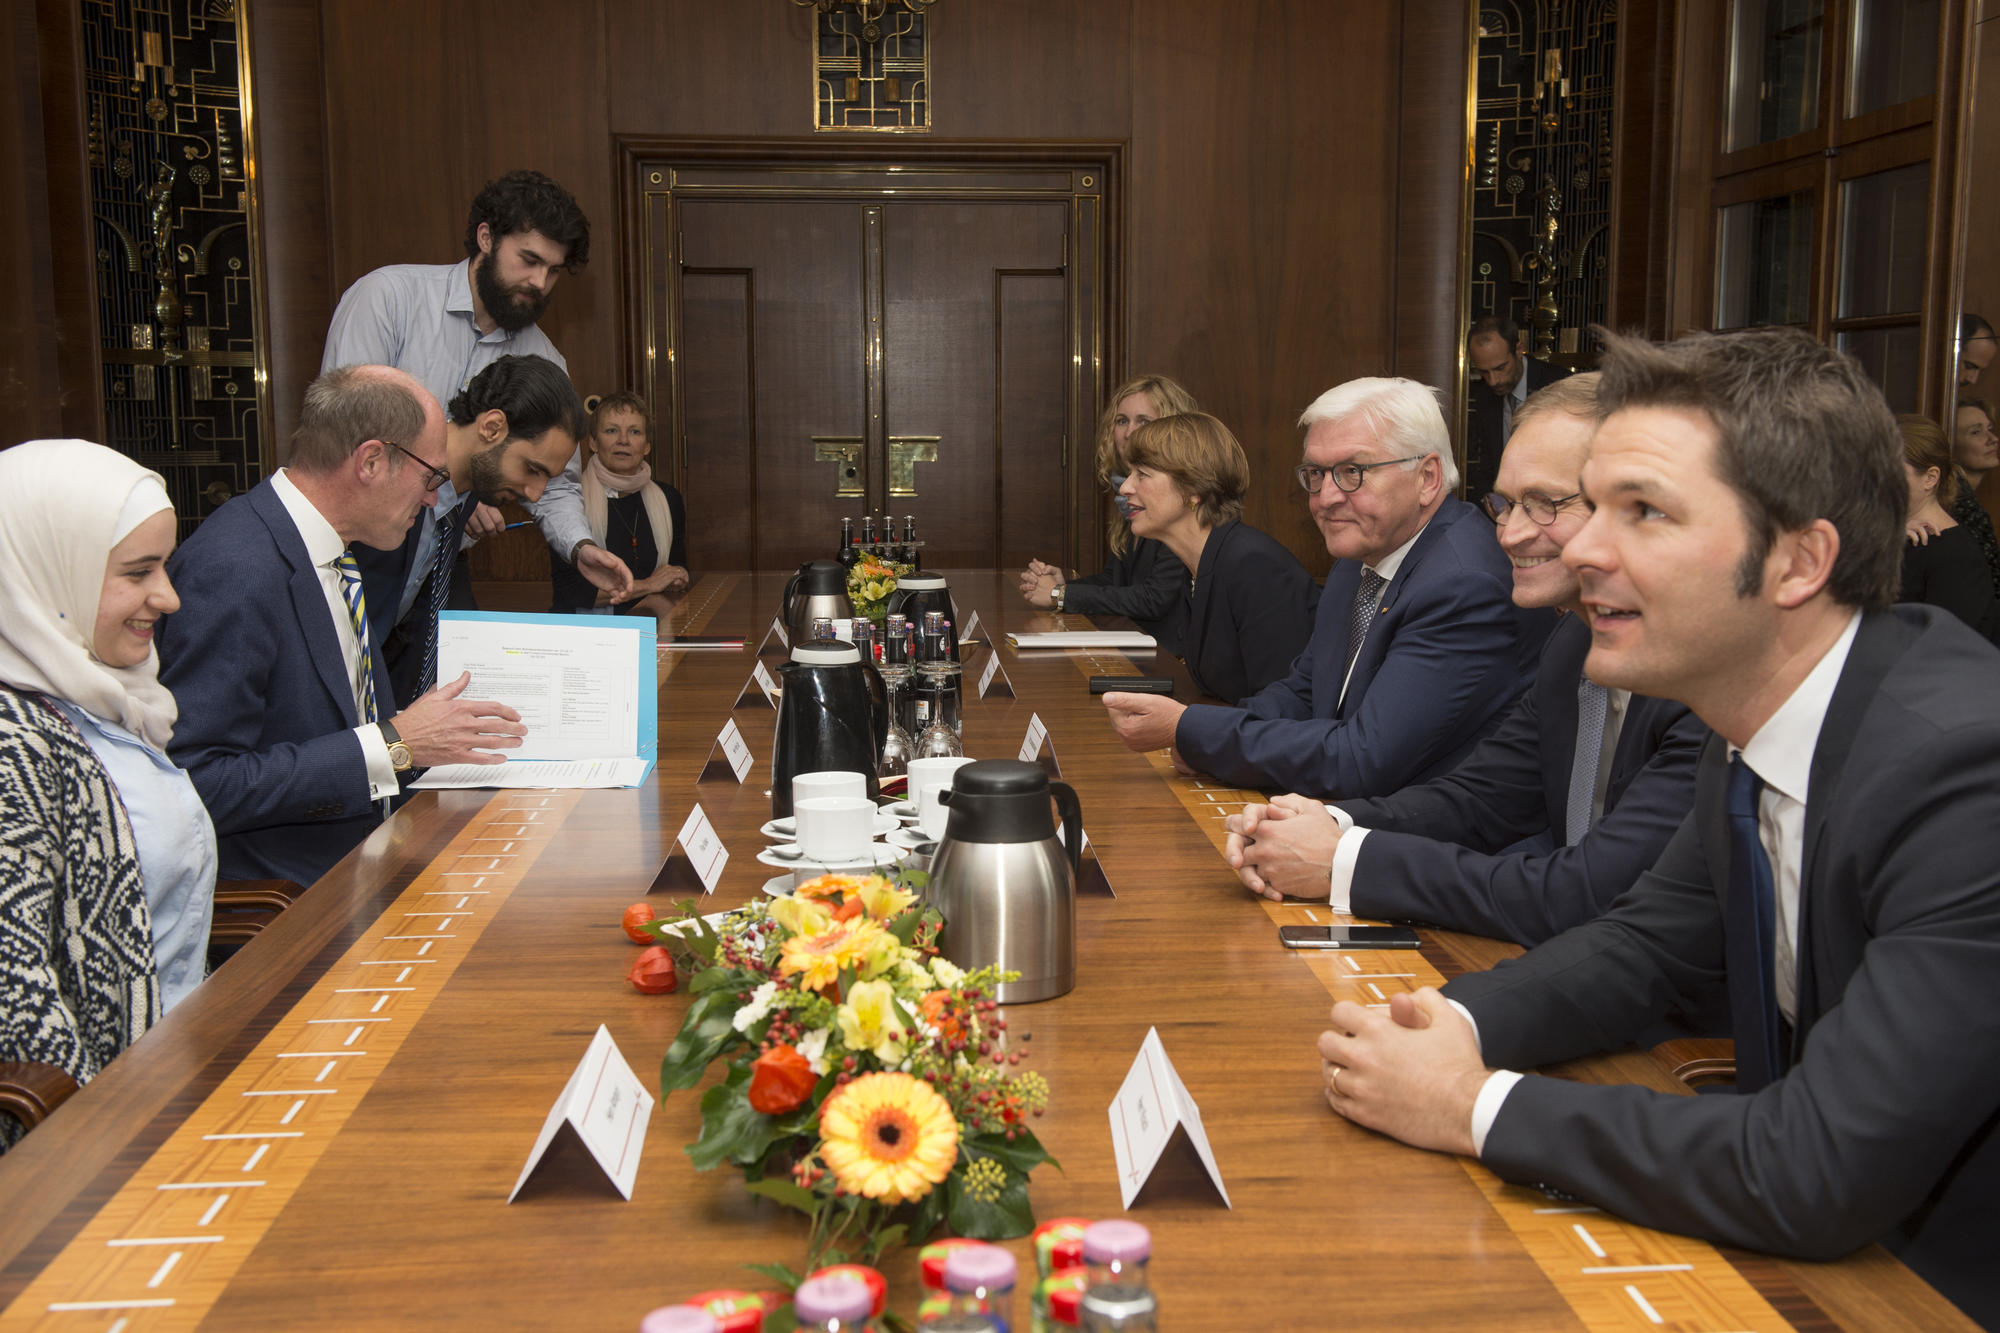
(435, 592)
(357, 616)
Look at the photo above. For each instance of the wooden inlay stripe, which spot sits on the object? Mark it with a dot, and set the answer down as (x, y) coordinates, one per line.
(164, 1247)
(1613, 1274)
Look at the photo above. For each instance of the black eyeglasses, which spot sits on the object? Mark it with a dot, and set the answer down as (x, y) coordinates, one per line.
(1347, 476)
(1541, 508)
(434, 477)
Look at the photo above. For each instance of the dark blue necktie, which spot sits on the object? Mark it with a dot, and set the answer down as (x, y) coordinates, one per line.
(1750, 925)
(436, 589)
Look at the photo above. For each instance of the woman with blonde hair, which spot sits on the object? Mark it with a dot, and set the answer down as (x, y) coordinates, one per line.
(1141, 581)
(107, 870)
(1948, 570)
(1250, 602)
(630, 515)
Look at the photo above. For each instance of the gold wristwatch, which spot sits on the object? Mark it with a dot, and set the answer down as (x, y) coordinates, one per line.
(1056, 594)
(399, 750)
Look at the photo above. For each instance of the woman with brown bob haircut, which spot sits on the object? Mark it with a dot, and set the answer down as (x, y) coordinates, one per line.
(1250, 602)
(1948, 570)
(1141, 581)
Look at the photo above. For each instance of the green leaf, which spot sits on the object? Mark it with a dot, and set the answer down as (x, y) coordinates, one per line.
(731, 1130)
(1008, 1216)
(713, 978)
(904, 926)
(784, 1319)
(1024, 1154)
(888, 1238)
(789, 1194)
(778, 1273)
(704, 1033)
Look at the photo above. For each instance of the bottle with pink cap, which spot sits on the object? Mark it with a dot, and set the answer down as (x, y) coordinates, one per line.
(1117, 1251)
(833, 1304)
(679, 1319)
(980, 1280)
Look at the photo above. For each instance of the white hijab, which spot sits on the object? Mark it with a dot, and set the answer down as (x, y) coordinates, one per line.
(63, 505)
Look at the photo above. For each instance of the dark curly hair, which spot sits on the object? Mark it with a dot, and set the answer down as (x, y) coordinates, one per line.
(529, 201)
(534, 392)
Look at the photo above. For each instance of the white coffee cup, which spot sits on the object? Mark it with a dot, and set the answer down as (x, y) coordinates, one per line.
(926, 774)
(834, 828)
(932, 813)
(831, 782)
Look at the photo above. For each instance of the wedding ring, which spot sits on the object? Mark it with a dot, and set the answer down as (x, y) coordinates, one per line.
(1333, 1079)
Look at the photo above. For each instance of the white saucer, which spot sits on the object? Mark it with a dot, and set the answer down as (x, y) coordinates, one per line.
(879, 854)
(904, 811)
(909, 839)
(784, 830)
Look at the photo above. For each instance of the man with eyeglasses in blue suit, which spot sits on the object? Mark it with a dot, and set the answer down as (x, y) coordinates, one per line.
(1417, 650)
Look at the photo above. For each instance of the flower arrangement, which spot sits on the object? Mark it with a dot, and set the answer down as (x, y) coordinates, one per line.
(868, 1080)
(869, 584)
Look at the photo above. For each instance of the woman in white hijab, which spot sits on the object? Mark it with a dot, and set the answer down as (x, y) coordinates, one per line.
(107, 857)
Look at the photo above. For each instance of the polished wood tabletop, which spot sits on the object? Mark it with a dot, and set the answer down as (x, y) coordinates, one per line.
(310, 1144)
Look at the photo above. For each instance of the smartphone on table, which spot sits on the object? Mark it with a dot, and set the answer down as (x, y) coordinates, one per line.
(1348, 937)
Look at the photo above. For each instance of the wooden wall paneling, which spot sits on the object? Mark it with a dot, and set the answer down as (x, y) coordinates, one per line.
(1433, 125)
(1700, 49)
(288, 129)
(720, 406)
(28, 368)
(1951, 130)
(1047, 69)
(693, 67)
(79, 384)
(1030, 371)
(1643, 169)
(1978, 283)
(1260, 229)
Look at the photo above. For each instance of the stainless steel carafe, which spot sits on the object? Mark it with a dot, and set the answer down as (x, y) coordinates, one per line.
(1005, 887)
(818, 589)
(826, 720)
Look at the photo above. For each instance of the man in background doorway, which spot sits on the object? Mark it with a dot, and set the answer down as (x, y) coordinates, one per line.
(1976, 346)
(1509, 374)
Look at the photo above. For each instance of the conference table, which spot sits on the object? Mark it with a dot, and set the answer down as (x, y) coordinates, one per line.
(325, 1135)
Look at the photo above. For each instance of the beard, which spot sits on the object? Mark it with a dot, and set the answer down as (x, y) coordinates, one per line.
(512, 311)
(482, 474)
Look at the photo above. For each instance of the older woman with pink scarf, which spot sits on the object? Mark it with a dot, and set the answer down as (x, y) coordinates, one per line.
(107, 864)
(634, 517)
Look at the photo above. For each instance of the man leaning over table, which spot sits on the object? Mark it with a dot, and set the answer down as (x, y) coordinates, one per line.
(1741, 556)
(444, 323)
(285, 707)
(1417, 650)
(1597, 778)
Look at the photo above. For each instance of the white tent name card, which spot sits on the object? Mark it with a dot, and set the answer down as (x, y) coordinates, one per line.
(1033, 744)
(1151, 1106)
(993, 669)
(606, 1107)
(734, 758)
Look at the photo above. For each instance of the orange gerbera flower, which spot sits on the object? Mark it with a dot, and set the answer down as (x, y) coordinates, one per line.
(889, 1137)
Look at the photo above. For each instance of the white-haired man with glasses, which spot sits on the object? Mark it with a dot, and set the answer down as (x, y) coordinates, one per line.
(1418, 649)
(1593, 781)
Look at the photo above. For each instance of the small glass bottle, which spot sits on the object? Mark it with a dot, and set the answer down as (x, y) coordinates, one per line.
(910, 541)
(1117, 1251)
(679, 1319)
(822, 630)
(938, 681)
(962, 1323)
(868, 533)
(980, 1280)
(832, 1305)
(861, 632)
(849, 553)
(1116, 1307)
(896, 675)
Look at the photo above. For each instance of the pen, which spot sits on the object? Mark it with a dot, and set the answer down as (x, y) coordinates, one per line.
(522, 524)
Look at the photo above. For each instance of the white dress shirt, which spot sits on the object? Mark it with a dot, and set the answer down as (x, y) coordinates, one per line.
(323, 548)
(1781, 753)
(1347, 852)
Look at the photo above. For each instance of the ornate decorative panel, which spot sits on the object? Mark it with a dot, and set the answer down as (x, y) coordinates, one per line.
(167, 107)
(871, 65)
(1541, 200)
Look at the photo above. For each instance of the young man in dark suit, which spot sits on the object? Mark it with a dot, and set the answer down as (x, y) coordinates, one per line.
(1741, 556)
(1417, 648)
(288, 724)
(1595, 780)
(1507, 376)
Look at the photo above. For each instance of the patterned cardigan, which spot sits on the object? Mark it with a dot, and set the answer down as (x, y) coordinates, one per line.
(77, 982)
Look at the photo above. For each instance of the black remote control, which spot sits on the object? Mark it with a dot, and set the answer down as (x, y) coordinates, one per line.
(1132, 684)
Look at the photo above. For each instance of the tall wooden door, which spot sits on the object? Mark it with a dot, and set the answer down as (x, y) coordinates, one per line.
(853, 341)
